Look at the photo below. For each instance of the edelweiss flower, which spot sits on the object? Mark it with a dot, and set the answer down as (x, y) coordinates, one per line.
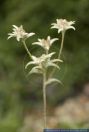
(19, 33)
(45, 43)
(63, 25)
(42, 62)
(39, 60)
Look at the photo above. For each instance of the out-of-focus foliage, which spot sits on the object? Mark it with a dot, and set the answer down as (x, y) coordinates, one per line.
(18, 90)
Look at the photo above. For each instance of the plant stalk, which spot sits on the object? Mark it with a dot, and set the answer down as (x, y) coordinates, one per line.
(44, 100)
(59, 55)
(61, 48)
(28, 52)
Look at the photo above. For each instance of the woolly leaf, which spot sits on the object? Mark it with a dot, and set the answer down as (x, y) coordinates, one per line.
(51, 80)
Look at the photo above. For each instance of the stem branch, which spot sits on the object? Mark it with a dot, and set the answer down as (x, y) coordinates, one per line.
(61, 48)
(60, 52)
(28, 52)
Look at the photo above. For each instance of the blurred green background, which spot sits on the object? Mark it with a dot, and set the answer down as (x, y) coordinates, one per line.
(20, 94)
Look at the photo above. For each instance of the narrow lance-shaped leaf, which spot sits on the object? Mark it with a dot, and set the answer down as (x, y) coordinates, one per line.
(51, 80)
(29, 63)
(53, 65)
(56, 60)
(36, 70)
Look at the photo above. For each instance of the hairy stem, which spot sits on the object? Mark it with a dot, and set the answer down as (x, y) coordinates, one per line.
(44, 99)
(28, 52)
(61, 48)
(59, 55)
(46, 52)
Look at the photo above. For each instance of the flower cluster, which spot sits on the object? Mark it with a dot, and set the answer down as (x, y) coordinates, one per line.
(40, 65)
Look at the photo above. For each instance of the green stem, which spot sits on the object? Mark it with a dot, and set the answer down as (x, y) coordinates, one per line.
(59, 55)
(44, 99)
(28, 52)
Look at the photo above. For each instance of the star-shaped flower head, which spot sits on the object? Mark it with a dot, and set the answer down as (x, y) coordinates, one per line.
(63, 25)
(42, 62)
(19, 33)
(45, 43)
